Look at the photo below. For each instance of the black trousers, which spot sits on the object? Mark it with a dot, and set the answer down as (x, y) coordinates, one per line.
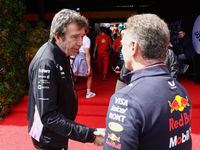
(39, 146)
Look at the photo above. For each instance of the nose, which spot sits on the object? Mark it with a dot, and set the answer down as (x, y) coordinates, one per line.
(80, 41)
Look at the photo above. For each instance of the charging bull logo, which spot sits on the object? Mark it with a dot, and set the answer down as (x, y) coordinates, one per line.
(113, 137)
(179, 103)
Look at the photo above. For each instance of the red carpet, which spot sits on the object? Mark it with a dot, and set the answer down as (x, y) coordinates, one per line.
(92, 112)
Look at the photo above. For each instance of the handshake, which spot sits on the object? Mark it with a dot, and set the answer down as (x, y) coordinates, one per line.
(100, 134)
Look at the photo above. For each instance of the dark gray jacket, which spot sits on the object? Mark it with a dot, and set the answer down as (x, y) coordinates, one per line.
(172, 63)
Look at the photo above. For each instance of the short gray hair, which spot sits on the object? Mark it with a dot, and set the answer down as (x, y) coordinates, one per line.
(152, 35)
(61, 21)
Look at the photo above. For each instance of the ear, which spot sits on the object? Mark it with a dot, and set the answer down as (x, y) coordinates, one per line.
(57, 38)
(134, 48)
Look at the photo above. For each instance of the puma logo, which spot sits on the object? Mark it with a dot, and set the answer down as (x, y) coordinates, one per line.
(172, 84)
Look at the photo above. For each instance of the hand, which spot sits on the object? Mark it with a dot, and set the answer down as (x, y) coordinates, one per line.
(170, 44)
(117, 70)
(94, 55)
(100, 134)
(89, 72)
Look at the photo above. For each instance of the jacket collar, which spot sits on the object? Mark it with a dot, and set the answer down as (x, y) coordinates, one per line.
(56, 50)
(156, 69)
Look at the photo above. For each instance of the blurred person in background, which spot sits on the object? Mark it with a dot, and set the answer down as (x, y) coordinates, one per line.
(104, 44)
(82, 64)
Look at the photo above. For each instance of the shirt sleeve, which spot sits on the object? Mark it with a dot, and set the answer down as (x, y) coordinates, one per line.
(88, 43)
(124, 123)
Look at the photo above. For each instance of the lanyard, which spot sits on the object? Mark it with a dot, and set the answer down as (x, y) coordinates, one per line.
(71, 76)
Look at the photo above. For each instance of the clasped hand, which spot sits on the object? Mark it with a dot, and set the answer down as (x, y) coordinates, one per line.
(100, 134)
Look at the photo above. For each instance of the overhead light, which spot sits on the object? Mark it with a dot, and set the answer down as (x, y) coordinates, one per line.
(78, 9)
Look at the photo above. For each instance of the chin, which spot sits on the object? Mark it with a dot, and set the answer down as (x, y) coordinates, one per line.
(74, 54)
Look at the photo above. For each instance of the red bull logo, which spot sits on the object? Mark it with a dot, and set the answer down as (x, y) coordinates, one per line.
(113, 144)
(113, 137)
(179, 103)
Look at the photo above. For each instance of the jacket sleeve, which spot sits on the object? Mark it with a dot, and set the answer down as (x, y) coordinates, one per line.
(172, 64)
(46, 90)
(123, 133)
(124, 71)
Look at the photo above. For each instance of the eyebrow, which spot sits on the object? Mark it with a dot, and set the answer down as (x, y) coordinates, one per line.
(74, 35)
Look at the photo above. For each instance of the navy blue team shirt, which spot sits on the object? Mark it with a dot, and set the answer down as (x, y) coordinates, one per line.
(153, 112)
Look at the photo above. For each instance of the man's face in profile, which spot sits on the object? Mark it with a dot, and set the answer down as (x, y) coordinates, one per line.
(73, 40)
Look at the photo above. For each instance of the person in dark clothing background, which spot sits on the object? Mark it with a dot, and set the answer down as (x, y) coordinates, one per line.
(115, 31)
(187, 49)
(53, 102)
(170, 61)
(120, 69)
